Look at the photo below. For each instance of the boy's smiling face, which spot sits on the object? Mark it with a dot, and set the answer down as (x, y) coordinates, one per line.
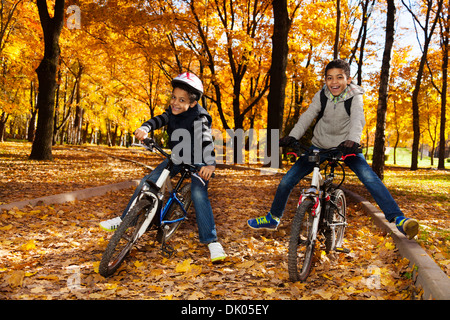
(336, 81)
(180, 101)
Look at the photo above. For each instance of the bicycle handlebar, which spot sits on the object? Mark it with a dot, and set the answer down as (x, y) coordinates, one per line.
(339, 154)
(149, 144)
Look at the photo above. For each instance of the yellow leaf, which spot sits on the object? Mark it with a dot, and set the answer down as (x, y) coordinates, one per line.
(194, 270)
(49, 277)
(16, 278)
(6, 228)
(138, 264)
(389, 245)
(156, 272)
(110, 286)
(155, 288)
(28, 246)
(96, 264)
(351, 290)
(219, 292)
(17, 214)
(184, 266)
(268, 290)
(327, 276)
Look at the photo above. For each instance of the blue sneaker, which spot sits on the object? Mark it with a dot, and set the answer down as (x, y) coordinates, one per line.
(268, 222)
(409, 227)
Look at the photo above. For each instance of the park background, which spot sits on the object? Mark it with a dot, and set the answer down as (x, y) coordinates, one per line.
(111, 65)
(117, 59)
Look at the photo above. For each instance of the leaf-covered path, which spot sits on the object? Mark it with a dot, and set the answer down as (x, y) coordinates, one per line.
(52, 252)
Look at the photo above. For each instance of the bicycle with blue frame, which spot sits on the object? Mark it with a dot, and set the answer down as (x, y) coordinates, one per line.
(321, 211)
(150, 212)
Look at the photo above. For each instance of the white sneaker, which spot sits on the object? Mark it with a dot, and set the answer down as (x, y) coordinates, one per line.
(111, 224)
(217, 252)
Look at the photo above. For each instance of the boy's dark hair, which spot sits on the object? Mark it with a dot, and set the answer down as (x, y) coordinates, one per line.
(193, 96)
(338, 64)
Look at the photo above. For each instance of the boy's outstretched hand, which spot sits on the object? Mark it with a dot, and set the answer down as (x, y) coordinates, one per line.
(140, 134)
(206, 172)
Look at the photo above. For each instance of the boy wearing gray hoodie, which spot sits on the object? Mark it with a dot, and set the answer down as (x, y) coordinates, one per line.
(339, 125)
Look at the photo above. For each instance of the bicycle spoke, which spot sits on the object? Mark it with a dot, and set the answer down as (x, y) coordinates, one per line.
(301, 245)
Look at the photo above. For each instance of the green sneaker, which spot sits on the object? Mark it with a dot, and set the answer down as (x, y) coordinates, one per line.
(409, 227)
(268, 222)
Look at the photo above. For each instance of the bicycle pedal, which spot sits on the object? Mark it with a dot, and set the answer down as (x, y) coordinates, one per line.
(340, 249)
(167, 251)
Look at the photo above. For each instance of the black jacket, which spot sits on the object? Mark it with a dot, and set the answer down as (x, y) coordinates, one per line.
(196, 126)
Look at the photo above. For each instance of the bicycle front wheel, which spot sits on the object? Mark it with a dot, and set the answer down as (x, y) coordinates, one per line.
(301, 244)
(124, 238)
(336, 215)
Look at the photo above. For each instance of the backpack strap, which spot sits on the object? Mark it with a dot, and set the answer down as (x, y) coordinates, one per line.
(323, 103)
(348, 105)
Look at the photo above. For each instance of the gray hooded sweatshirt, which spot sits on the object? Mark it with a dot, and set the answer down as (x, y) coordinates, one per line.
(336, 125)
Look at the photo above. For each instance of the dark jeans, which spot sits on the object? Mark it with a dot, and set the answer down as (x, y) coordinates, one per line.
(357, 164)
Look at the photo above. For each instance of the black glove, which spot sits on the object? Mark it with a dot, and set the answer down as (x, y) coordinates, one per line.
(287, 141)
(349, 147)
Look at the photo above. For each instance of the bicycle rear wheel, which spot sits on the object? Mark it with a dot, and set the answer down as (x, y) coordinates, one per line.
(301, 245)
(336, 215)
(124, 238)
(175, 212)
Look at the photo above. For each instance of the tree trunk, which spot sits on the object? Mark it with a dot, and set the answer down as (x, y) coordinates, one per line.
(32, 124)
(428, 34)
(3, 120)
(379, 147)
(79, 111)
(280, 49)
(46, 72)
(445, 33)
(338, 30)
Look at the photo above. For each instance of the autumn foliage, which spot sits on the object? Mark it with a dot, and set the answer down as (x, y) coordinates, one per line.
(118, 56)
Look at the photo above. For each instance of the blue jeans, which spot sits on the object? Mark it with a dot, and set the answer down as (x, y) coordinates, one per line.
(357, 164)
(199, 196)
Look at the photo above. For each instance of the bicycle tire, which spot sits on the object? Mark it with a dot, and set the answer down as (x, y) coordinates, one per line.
(301, 248)
(336, 214)
(122, 241)
(175, 212)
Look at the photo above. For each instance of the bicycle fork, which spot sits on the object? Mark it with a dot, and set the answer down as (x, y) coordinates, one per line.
(315, 213)
(150, 215)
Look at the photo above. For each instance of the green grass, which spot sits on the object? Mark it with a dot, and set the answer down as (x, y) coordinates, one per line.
(403, 159)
